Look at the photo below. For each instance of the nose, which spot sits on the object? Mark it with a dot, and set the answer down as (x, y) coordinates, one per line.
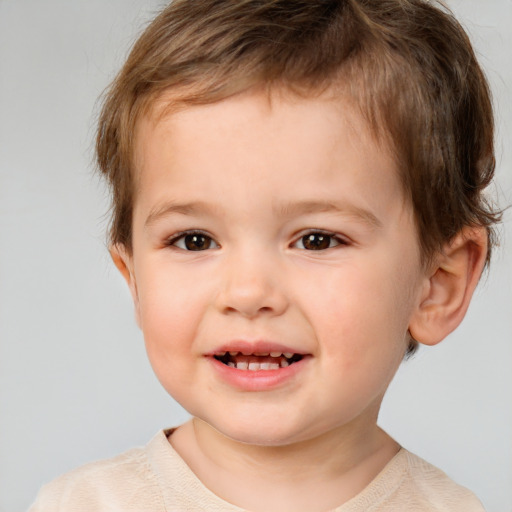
(251, 286)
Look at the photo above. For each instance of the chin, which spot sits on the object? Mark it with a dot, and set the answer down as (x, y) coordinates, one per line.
(259, 433)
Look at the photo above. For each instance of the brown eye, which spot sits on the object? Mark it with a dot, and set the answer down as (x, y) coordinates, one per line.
(317, 242)
(197, 242)
(193, 241)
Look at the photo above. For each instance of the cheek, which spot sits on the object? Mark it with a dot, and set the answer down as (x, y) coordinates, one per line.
(170, 309)
(168, 336)
(356, 315)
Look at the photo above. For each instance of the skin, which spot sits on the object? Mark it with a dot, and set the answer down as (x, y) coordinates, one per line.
(256, 174)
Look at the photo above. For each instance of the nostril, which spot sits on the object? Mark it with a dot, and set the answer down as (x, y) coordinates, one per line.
(247, 311)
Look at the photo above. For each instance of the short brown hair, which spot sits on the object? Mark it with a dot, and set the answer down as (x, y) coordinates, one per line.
(408, 64)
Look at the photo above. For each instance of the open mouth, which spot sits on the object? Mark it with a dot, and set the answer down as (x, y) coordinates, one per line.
(257, 362)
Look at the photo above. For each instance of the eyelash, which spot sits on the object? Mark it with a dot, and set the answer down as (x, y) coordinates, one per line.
(172, 242)
(330, 237)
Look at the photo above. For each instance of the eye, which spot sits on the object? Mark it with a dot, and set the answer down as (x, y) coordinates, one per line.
(318, 241)
(193, 241)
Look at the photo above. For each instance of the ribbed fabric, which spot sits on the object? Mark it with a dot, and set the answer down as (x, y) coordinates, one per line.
(156, 479)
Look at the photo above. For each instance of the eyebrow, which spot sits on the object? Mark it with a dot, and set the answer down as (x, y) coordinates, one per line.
(170, 207)
(345, 208)
(284, 210)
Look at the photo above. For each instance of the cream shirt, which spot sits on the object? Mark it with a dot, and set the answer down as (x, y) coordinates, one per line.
(156, 479)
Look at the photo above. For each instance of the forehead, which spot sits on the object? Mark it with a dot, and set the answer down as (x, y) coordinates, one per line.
(172, 111)
(242, 137)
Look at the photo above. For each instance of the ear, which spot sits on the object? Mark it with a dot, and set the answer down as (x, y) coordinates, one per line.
(450, 284)
(123, 260)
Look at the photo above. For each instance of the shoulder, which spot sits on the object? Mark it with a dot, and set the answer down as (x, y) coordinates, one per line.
(126, 482)
(410, 483)
(441, 490)
(149, 479)
(425, 487)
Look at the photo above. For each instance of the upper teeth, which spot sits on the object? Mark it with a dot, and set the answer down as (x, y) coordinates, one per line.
(251, 361)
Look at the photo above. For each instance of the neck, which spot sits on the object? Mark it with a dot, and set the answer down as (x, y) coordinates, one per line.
(318, 474)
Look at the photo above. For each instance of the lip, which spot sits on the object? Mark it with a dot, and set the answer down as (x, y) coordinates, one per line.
(259, 380)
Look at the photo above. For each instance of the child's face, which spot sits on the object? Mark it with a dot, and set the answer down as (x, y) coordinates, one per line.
(267, 227)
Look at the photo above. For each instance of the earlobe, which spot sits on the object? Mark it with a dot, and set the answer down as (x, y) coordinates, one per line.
(450, 286)
(124, 262)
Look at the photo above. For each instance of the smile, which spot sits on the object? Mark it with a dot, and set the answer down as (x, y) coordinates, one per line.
(257, 362)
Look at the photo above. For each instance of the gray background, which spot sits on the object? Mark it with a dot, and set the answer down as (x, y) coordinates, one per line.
(74, 381)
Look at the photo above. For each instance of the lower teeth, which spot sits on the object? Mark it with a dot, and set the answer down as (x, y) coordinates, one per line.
(254, 367)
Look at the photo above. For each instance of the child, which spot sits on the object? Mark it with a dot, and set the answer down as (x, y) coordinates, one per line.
(298, 204)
